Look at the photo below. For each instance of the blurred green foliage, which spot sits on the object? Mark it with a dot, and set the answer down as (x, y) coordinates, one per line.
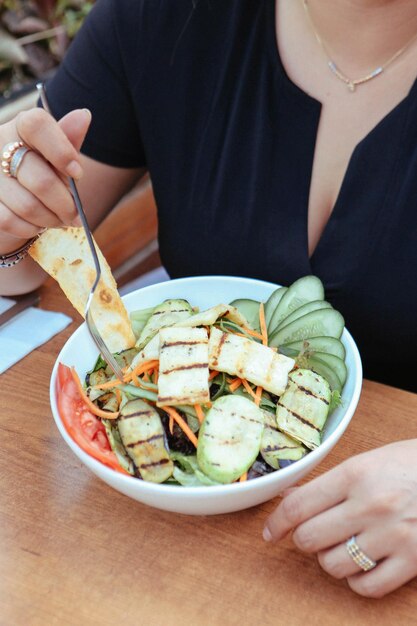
(34, 36)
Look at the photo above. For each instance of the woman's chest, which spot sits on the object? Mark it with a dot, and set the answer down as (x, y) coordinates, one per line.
(345, 123)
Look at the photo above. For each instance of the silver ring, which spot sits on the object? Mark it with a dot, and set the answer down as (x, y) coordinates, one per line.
(360, 558)
(7, 153)
(16, 160)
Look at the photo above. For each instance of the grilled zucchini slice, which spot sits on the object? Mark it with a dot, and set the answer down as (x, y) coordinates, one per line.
(303, 408)
(166, 314)
(143, 437)
(277, 446)
(229, 438)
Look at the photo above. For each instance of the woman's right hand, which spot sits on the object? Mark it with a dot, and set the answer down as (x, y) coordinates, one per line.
(39, 197)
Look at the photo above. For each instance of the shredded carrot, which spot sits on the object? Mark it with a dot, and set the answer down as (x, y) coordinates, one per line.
(135, 380)
(155, 375)
(140, 369)
(181, 423)
(108, 385)
(243, 477)
(235, 384)
(200, 413)
(248, 331)
(118, 395)
(262, 324)
(171, 424)
(253, 333)
(249, 388)
(258, 395)
(93, 408)
(213, 374)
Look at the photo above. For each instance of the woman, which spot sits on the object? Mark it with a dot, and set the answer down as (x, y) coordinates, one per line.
(281, 140)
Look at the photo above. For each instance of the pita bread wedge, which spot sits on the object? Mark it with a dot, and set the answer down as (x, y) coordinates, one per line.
(64, 253)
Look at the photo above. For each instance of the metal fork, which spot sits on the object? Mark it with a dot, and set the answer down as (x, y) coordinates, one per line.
(97, 338)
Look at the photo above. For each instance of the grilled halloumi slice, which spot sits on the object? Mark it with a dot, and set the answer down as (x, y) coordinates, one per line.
(204, 318)
(183, 366)
(248, 359)
(303, 409)
(210, 316)
(148, 353)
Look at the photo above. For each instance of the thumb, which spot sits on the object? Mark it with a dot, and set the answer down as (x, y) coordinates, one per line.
(75, 125)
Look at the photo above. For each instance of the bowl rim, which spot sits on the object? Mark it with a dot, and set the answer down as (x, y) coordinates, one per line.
(236, 487)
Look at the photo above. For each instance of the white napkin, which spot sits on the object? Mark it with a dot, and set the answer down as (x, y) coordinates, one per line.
(27, 331)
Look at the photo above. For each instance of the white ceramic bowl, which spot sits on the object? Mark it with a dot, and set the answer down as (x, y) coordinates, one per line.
(206, 291)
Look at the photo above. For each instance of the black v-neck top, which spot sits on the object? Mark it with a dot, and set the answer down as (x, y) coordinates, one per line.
(199, 95)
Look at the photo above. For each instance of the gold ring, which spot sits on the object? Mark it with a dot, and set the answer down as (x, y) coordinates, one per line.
(7, 155)
(360, 558)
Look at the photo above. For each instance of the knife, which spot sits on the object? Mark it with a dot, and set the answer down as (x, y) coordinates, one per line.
(22, 303)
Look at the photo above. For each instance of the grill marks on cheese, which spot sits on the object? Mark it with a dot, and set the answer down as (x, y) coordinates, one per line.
(239, 356)
(183, 366)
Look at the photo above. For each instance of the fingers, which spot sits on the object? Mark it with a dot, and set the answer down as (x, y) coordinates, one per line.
(75, 126)
(39, 196)
(40, 132)
(328, 529)
(338, 563)
(38, 178)
(15, 226)
(386, 577)
(303, 503)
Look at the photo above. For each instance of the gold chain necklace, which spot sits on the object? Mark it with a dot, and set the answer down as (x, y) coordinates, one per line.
(351, 83)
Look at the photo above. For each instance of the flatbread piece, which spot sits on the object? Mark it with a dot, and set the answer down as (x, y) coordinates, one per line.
(64, 253)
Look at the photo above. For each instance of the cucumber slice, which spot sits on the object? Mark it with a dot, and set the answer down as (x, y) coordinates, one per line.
(229, 438)
(272, 303)
(336, 364)
(308, 307)
(320, 367)
(305, 289)
(138, 320)
(331, 345)
(249, 309)
(326, 322)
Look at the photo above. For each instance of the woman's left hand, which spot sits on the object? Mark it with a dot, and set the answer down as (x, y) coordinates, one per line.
(372, 496)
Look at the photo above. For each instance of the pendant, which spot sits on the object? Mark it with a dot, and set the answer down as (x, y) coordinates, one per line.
(351, 86)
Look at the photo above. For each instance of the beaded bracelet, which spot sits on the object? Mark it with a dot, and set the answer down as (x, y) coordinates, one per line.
(13, 258)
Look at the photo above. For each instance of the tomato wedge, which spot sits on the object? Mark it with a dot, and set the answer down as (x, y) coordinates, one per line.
(81, 424)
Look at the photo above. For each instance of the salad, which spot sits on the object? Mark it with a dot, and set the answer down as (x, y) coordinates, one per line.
(213, 397)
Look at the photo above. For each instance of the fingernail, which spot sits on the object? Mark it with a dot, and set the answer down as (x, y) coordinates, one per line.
(266, 534)
(74, 170)
(88, 113)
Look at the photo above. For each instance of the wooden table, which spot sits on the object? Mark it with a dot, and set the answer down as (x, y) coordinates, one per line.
(75, 552)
